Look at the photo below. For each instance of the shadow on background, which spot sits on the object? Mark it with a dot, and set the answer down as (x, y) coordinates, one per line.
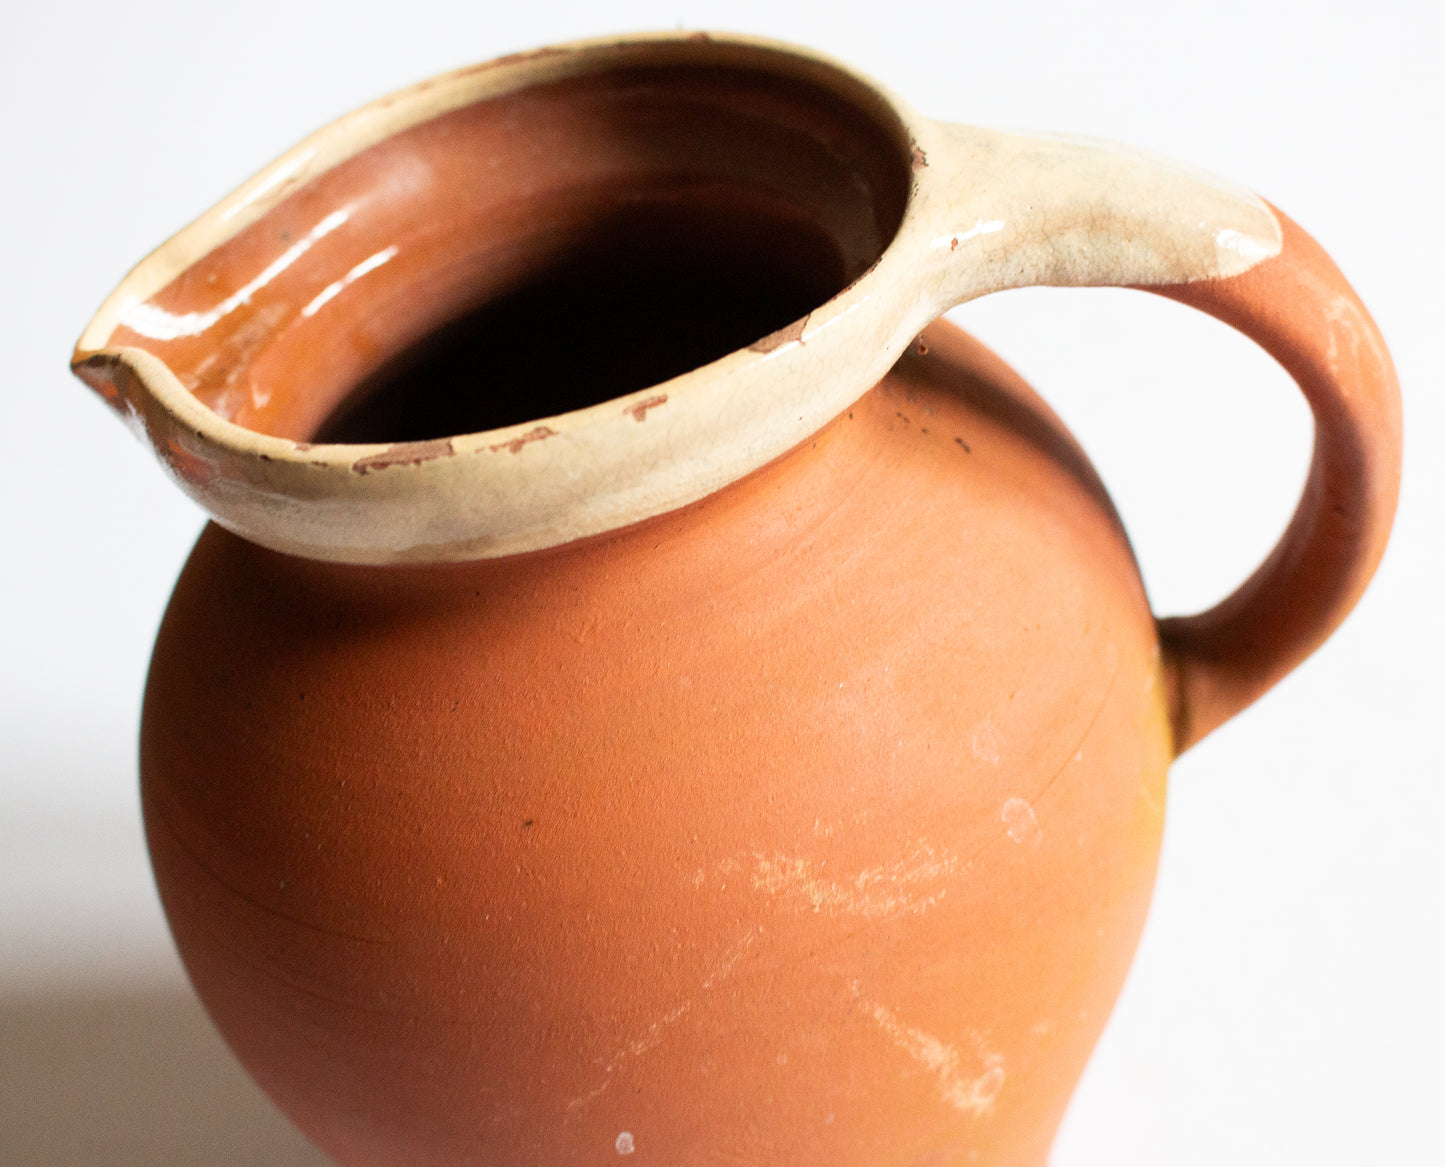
(131, 1079)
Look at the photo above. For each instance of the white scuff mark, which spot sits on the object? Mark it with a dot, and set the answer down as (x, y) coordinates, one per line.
(729, 962)
(968, 1095)
(150, 320)
(1021, 822)
(653, 1033)
(909, 885)
(650, 1036)
(590, 1096)
(332, 290)
(625, 1144)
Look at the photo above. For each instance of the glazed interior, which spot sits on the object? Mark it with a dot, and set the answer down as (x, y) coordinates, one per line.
(535, 253)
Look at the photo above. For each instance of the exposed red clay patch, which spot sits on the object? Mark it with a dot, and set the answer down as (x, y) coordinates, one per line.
(404, 454)
(195, 469)
(105, 375)
(639, 411)
(535, 434)
(920, 159)
(100, 383)
(785, 335)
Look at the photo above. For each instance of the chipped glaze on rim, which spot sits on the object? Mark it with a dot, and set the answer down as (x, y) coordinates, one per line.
(988, 210)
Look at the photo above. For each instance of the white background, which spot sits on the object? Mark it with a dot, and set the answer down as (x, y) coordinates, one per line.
(1285, 1006)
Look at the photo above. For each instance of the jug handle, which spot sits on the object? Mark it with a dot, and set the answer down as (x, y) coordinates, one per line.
(1298, 308)
(1005, 210)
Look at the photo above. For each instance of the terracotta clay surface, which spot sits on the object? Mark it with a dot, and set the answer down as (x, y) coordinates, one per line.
(643, 697)
(812, 824)
(1300, 309)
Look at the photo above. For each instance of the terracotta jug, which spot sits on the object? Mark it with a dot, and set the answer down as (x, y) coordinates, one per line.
(649, 691)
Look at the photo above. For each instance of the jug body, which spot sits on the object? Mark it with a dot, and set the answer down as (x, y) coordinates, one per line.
(650, 689)
(814, 823)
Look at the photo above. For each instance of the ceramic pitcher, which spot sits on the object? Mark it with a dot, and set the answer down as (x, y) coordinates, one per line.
(650, 691)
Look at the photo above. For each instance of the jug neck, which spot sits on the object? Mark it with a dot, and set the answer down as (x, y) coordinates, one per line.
(558, 294)
(524, 303)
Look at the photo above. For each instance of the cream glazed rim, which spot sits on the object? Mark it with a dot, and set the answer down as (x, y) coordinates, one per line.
(987, 210)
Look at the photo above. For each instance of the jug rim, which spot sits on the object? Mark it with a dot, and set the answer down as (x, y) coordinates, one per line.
(552, 480)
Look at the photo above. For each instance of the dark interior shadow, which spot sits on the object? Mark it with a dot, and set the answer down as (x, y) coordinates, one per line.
(131, 1078)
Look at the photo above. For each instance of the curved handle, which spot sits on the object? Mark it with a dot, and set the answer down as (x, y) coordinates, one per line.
(1298, 308)
(1022, 210)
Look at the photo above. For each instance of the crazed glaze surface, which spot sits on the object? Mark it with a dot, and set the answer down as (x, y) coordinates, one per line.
(987, 210)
